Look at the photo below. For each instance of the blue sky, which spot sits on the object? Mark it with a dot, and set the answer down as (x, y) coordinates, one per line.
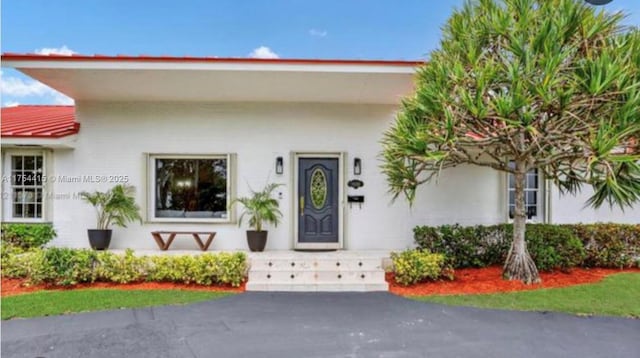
(346, 29)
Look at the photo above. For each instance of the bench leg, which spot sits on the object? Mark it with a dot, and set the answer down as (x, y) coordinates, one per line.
(159, 240)
(164, 246)
(204, 246)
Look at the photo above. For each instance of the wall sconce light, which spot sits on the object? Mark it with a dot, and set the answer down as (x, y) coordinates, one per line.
(357, 166)
(279, 166)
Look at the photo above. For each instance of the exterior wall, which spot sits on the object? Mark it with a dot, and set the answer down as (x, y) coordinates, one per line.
(115, 137)
(566, 209)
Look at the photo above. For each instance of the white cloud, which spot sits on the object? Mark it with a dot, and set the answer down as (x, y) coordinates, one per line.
(64, 50)
(14, 87)
(12, 104)
(17, 87)
(318, 33)
(263, 52)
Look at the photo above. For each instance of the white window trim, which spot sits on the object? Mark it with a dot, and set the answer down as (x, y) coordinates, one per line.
(151, 187)
(7, 187)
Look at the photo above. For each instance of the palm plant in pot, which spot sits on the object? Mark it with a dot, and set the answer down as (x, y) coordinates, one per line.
(115, 207)
(261, 208)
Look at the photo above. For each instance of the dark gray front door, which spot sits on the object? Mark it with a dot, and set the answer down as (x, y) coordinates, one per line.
(318, 200)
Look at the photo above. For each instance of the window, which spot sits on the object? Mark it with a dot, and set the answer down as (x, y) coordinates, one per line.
(193, 188)
(532, 195)
(27, 186)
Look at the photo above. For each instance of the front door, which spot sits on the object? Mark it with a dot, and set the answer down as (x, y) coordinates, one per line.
(318, 200)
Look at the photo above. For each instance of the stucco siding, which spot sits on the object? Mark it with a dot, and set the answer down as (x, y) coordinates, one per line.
(115, 138)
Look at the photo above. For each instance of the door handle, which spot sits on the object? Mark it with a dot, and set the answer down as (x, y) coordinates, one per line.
(302, 205)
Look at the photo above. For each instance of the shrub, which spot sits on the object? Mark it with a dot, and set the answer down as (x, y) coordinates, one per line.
(15, 261)
(553, 247)
(472, 246)
(28, 236)
(609, 245)
(62, 266)
(121, 268)
(205, 269)
(413, 266)
(550, 246)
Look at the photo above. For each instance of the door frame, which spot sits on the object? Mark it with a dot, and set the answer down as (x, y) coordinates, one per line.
(295, 156)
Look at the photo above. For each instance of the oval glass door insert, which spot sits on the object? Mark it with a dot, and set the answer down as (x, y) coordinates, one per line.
(318, 188)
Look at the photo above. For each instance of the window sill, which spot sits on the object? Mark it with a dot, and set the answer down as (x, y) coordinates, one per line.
(188, 221)
(26, 221)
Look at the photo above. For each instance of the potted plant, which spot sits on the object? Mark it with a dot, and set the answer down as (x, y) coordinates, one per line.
(116, 206)
(261, 208)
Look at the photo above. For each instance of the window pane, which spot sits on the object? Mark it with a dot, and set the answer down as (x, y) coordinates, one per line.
(532, 211)
(532, 197)
(17, 178)
(512, 197)
(16, 162)
(29, 178)
(29, 163)
(191, 188)
(18, 195)
(29, 196)
(512, 181)
(532, 181)
(17, 210)
(38, 211)
(39, 163)
(30, 211)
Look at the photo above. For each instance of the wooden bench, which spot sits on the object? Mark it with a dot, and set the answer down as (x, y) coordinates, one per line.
(164, 245)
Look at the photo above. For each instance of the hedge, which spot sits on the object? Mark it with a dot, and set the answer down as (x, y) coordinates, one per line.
(28, 236)
(551, 246)
(63, 266)
(609, 245)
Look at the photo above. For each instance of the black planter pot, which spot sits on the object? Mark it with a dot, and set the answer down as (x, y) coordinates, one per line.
(257, 240)
(99, 239)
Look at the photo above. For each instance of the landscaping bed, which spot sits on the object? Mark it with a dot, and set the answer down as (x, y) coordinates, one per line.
(12, 286)
(489, 280)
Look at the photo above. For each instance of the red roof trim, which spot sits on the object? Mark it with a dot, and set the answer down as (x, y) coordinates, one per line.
(8, 56)
(39, 121)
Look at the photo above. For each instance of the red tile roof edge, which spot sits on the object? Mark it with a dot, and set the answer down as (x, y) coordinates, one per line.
(10, 56)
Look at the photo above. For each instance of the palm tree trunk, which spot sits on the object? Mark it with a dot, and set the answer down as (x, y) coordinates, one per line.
(519, 264)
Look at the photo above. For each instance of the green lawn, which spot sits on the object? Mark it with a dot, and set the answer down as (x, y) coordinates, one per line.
(616, 295)
(48, 303)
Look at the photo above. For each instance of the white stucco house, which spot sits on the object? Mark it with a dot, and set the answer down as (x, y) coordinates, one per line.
(193, 133)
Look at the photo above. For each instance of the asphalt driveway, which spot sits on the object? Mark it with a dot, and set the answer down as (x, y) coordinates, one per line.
(319, 325)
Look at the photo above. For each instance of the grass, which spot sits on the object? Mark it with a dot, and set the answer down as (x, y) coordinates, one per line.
(616, 295)
(48, 303)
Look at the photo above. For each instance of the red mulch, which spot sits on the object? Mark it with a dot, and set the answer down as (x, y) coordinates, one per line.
(489, 280)
(12, 287)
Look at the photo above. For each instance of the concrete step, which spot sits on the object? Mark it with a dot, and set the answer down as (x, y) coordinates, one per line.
(320, 263)
(335, 286)
(341, 271)
(316, 276)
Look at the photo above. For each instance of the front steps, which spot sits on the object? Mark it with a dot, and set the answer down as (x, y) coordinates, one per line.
(337, 271)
